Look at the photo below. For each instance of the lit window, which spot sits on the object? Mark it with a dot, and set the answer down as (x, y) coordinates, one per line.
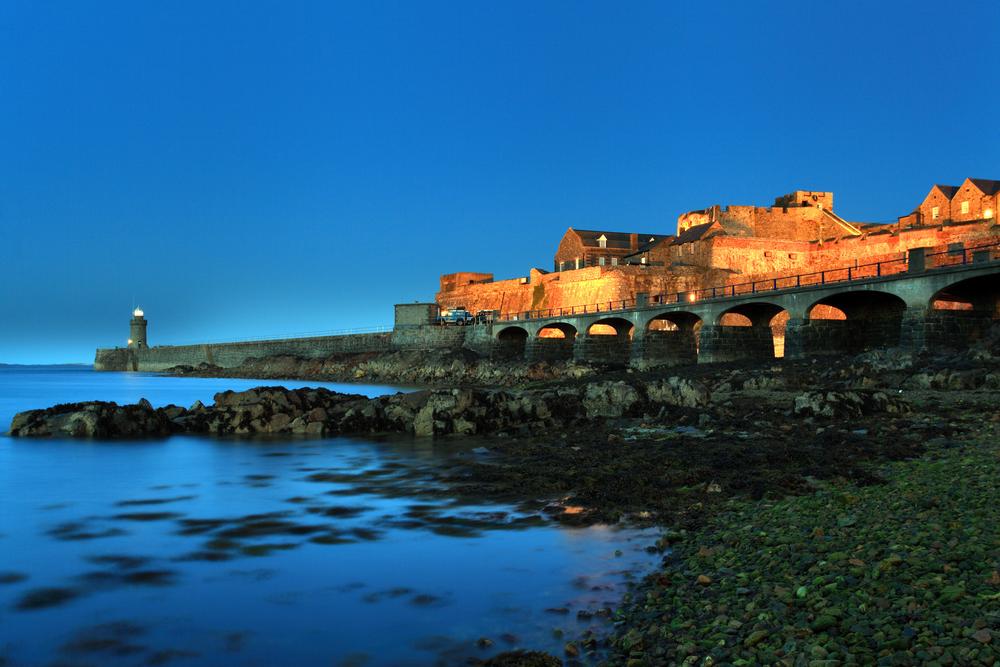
(934, 213)
(988, 213)
(600, 261)
(965, 207)
(642, 261)
(602, 241)
(577, 263)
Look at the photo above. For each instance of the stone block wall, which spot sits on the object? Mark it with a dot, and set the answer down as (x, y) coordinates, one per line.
(955, 329)
(816, 337)
(614, 350)
(549, 349)
(667, 348)
(432, 337)
(733, 343)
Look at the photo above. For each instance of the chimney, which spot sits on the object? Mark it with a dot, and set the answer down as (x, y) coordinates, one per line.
(633, 241)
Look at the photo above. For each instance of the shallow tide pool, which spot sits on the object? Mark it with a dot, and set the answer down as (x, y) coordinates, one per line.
(202, 551)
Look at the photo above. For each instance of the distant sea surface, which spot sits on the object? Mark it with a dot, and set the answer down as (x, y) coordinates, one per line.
(202, 551)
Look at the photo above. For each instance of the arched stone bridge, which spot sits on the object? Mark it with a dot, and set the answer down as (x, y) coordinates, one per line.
(917, 308)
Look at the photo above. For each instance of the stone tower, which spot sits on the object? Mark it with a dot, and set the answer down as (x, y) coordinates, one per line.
(137, 330)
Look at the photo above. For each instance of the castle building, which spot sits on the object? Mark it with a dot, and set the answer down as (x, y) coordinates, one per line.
(723, 245)
(137, 330)
(802, 215)
(974, 199)
(580, 248)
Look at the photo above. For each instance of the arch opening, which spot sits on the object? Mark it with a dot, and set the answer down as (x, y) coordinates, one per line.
(554, 342)
(511, 343)
(747, 331)
(670, 339)
(963, 312)
(557, 330)
(735, 320)
(852, 322)
(607, 341)
(611, 326)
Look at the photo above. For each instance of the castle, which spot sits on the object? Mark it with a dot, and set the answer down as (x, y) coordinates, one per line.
(726, 245)
(673, 283)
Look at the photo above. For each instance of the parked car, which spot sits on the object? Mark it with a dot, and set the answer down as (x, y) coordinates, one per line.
(457, 316)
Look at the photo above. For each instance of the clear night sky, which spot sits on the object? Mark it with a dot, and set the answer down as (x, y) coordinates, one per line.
(255, 168)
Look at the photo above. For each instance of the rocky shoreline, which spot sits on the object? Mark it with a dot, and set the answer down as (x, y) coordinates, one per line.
(862, 482)
(903, 573)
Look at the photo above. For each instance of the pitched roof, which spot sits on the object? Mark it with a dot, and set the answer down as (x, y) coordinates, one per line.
(644, 247)
(987, 186)
(621, 240)
(948, 190)
(694, 233)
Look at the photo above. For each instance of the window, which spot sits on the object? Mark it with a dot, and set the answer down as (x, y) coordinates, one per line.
(934, 213)
(577, 263)
(602, 241)
(988, 213)
(600, 261)
(642, 261)
(614, 261)
(965, 207)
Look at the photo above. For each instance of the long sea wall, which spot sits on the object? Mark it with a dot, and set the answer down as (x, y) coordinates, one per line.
(231, 355)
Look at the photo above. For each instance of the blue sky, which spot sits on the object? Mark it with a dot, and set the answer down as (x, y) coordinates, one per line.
(257, 168)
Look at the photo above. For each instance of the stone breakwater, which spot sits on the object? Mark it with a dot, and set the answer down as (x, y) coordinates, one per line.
(321, 412)
(429, 368)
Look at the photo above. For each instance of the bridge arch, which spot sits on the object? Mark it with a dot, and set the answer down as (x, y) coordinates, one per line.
(669, 338)
(511, 342)
(962, 312)
(553, 341)
(752, 330)
(611, 326)
(557, 330)
(607, 340)
(852, 321)
(673, 320)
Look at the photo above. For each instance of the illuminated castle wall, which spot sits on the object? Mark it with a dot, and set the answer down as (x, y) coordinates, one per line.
(726, 245)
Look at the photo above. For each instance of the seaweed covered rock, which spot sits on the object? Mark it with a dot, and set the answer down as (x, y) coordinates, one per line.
(831, 404)
(522, 658)
(610, 399)
(94, 419)
(677, 391)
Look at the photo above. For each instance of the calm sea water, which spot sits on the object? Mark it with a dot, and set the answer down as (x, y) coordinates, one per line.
(200, 551)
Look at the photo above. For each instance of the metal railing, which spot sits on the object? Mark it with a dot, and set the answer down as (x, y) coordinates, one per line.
(883, 268)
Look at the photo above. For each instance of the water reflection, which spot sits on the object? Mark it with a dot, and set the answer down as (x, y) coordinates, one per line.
(194, 551)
